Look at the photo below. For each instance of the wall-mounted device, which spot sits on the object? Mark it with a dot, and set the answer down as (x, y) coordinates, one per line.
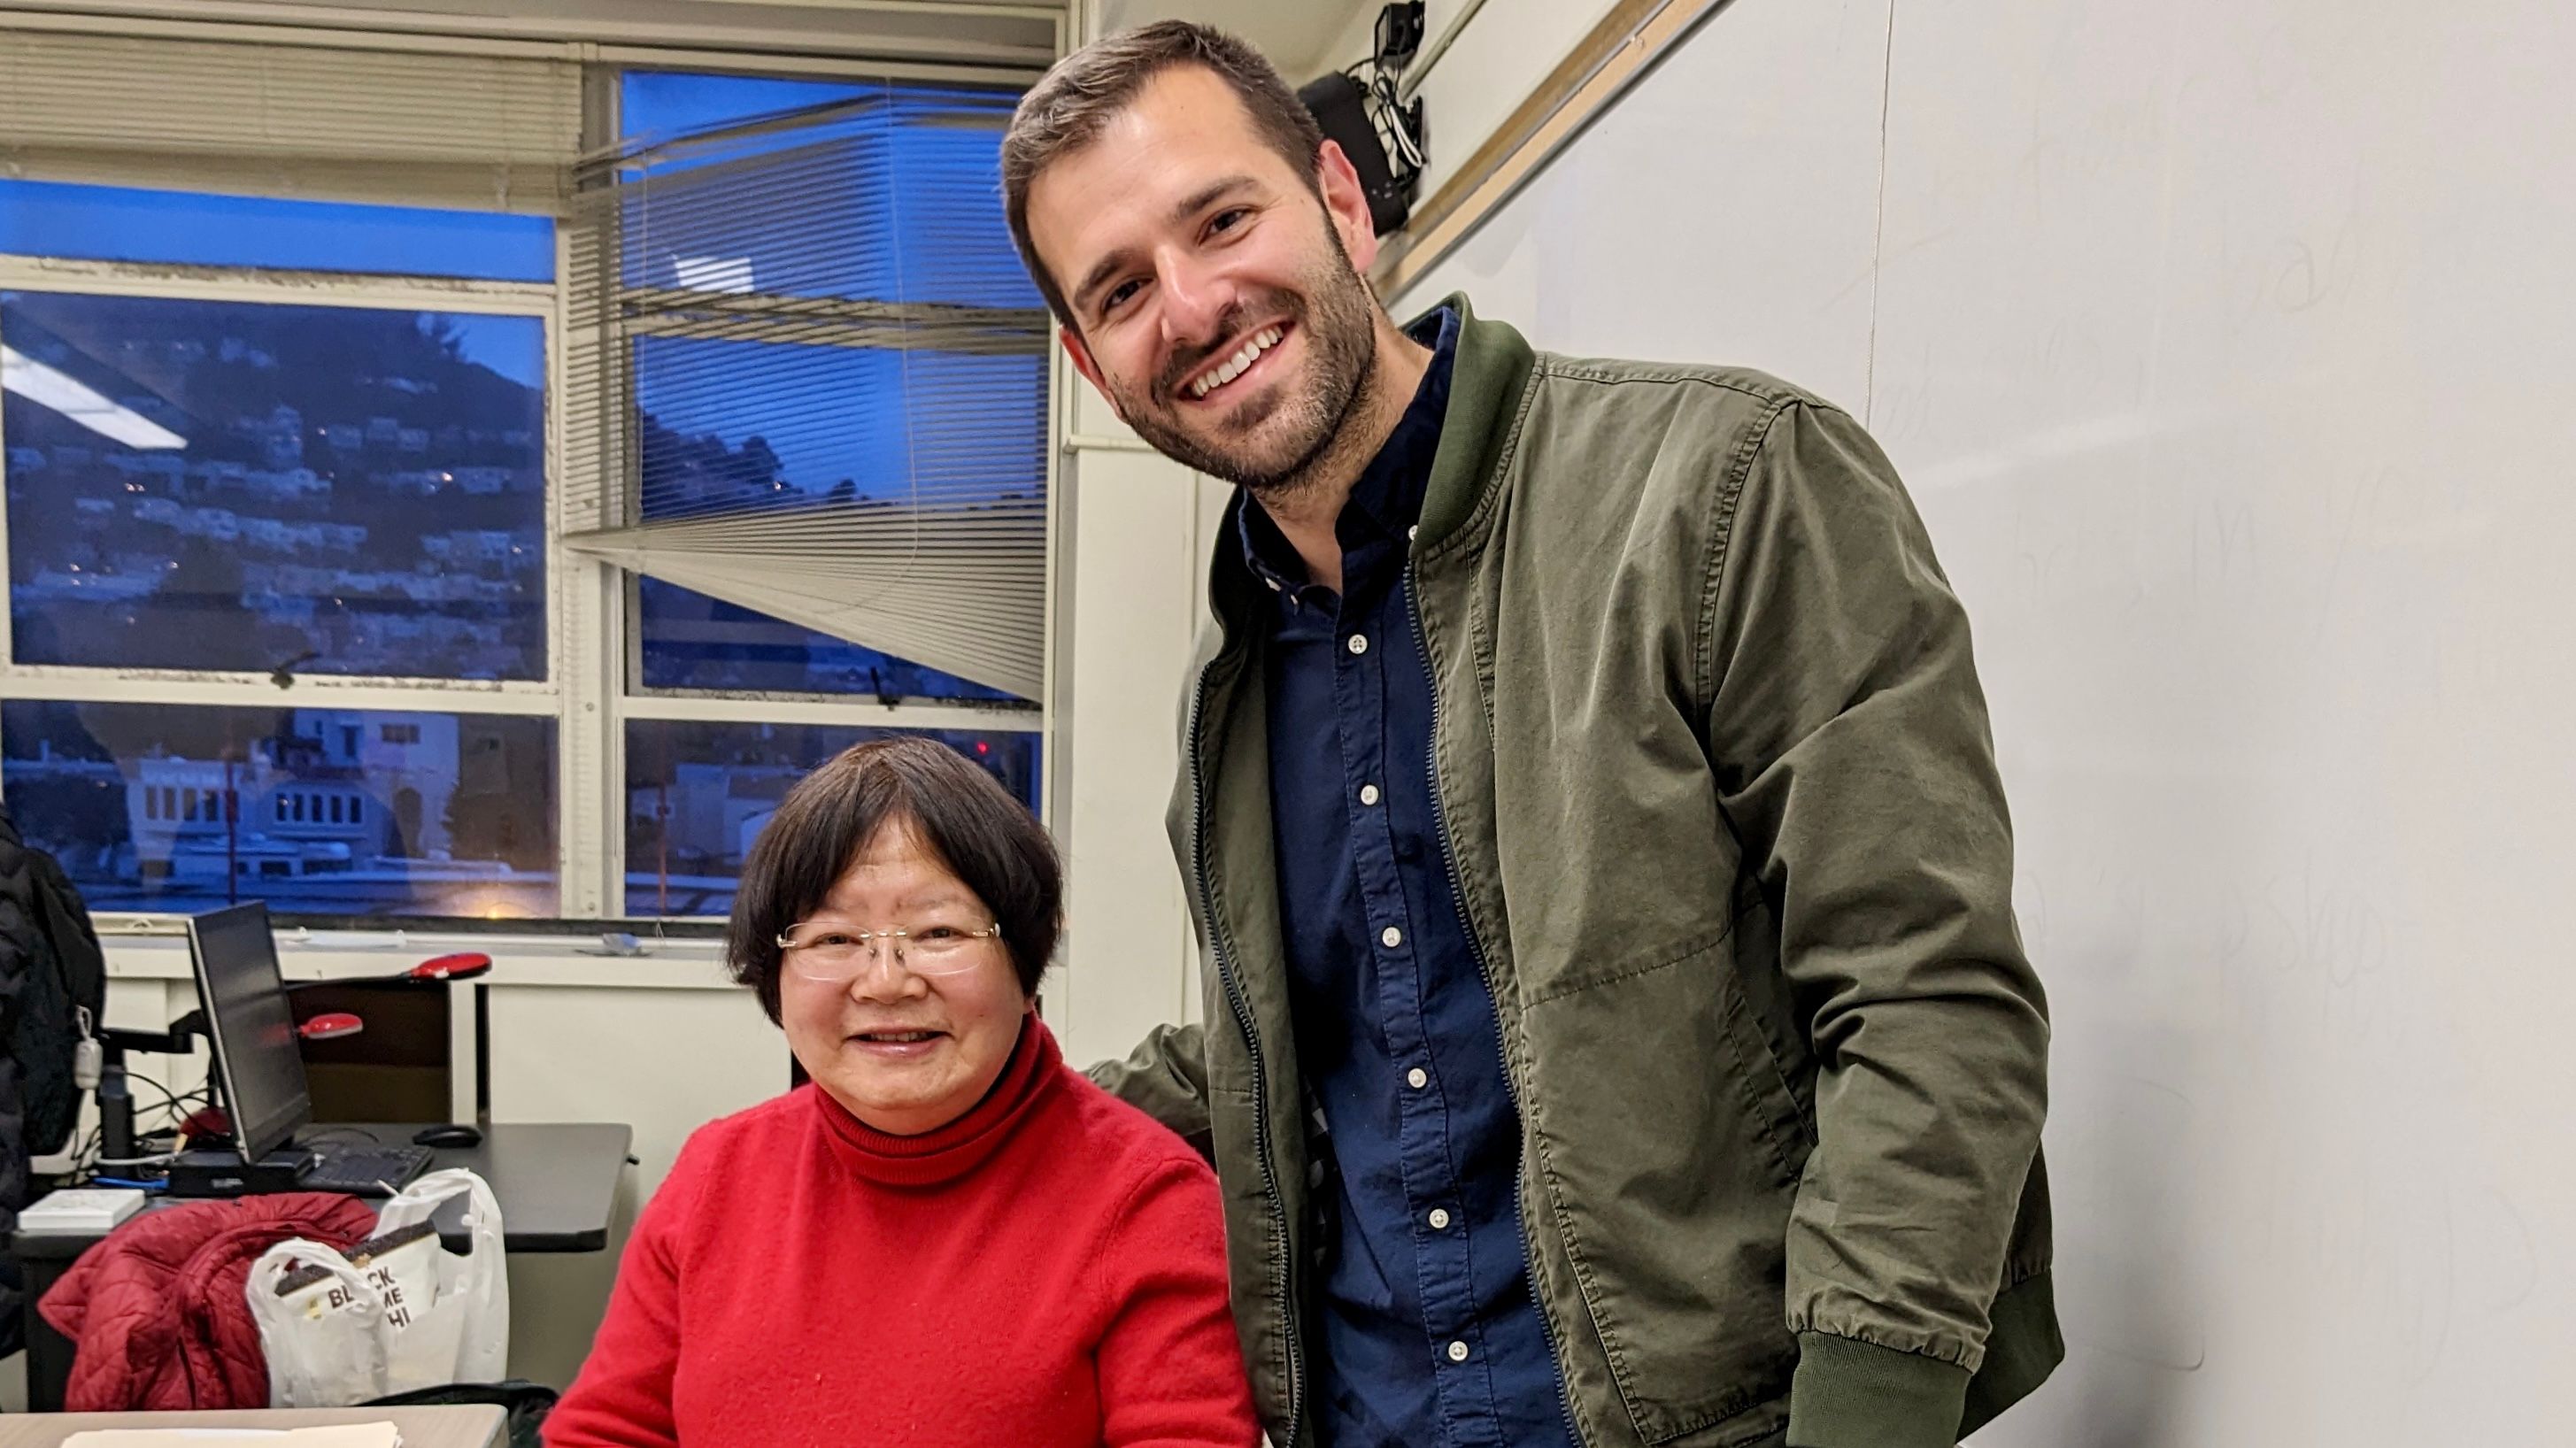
(1363, 111)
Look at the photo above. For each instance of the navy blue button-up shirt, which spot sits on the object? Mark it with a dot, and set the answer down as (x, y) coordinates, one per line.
(1428, 1332)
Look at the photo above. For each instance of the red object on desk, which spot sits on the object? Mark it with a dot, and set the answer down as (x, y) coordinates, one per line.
(330, 1026)
(463, 965)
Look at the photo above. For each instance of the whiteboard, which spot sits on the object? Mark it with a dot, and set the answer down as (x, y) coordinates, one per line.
(2229, 347)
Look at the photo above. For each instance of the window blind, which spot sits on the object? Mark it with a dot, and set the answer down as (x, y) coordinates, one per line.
(486, 132)
(809, 377)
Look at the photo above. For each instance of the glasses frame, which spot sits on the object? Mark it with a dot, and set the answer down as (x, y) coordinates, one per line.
(875, 953)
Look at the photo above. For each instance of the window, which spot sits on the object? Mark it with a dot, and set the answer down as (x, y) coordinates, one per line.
(80, 779)
(267, 483)
(252, 487)
(697, 795)
(299, 533)
(874, 435)
(765, 414)
(127, 223)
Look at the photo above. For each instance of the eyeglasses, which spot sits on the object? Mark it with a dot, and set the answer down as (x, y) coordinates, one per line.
(834, 954)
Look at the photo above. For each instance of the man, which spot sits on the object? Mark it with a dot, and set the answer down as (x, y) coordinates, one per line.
(1617, 1030)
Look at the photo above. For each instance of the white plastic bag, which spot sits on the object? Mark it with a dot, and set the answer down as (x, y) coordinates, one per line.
(464, 1336)
(397, 1312)
(324, 1336)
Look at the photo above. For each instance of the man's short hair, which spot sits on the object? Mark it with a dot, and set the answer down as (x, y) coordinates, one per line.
(1076, 100)
(955, 810)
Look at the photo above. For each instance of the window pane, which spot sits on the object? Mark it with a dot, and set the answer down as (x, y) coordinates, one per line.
(691, 641)
(124, 223)
(738, 424)
(171, 807)
(699, 793)
(663, 103)
(897, 195)
(243, 486)
(897, 199)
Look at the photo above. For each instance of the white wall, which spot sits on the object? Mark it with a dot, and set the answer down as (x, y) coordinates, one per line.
(1138, 559)
(1767, 105)
(2222, 343)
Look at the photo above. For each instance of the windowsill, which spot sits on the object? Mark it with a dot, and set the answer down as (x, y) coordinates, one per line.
(361, 931)
(521, 960)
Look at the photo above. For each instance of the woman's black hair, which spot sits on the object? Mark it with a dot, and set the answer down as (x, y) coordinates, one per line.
(963, 815)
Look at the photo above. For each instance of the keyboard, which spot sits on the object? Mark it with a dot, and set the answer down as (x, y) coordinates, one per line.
(364, 1171)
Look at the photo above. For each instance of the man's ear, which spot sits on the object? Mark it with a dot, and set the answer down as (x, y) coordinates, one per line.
(1346, 203)
(1088, 367)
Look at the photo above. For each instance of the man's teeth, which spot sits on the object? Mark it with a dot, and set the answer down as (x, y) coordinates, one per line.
(1234, 366)
(898, 1037)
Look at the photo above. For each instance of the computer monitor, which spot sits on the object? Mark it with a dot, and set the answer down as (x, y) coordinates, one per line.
(259, 1061)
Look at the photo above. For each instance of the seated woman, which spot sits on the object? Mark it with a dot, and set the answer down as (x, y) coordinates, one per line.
(949, 1237)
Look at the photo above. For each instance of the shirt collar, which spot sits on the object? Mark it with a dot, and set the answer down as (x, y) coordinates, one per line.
(1387, 498)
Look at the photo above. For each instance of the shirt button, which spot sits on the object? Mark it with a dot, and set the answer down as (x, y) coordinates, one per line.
(1391, 937)
(1359, 643)
(1417, 1078)
(1457, 1352)
(1368, 794)
(1440, 1219)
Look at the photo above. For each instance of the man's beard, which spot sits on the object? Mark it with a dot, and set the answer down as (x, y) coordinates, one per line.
(1338, 318)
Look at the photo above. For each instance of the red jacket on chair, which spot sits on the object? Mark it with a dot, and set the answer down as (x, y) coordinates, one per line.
(156, 1310)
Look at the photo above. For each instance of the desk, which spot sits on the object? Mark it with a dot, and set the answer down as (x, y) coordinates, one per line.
(460, 1427)
(557, 1186)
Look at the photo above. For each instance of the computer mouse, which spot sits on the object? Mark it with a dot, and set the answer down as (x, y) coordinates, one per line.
(449, 1135)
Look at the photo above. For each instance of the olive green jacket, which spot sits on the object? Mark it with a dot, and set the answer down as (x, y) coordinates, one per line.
(1713, 767)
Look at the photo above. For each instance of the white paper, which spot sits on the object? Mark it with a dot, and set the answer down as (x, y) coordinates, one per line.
(335, 1435)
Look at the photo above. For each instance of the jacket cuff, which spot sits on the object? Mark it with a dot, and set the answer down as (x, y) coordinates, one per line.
(1853, 1394)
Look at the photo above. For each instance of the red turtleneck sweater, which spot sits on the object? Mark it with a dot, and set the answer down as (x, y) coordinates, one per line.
(1047, 1270)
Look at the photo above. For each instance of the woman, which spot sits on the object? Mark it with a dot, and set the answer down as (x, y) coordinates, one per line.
(949, 1237)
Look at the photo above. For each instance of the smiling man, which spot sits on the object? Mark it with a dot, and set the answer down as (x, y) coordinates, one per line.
(1618, 1032)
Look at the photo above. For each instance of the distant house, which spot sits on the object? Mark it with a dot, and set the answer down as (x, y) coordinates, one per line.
(168, 465)
(283, 437)
(288, 484)
(222, 525)
(481, 545)
(26, 460)
(412, 440)
(87, 586)
(709, 813)
(205, 477)
(343, 437)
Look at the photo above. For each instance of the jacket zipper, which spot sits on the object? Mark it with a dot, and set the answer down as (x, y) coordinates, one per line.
(1476, 949)
(1252, 1043)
